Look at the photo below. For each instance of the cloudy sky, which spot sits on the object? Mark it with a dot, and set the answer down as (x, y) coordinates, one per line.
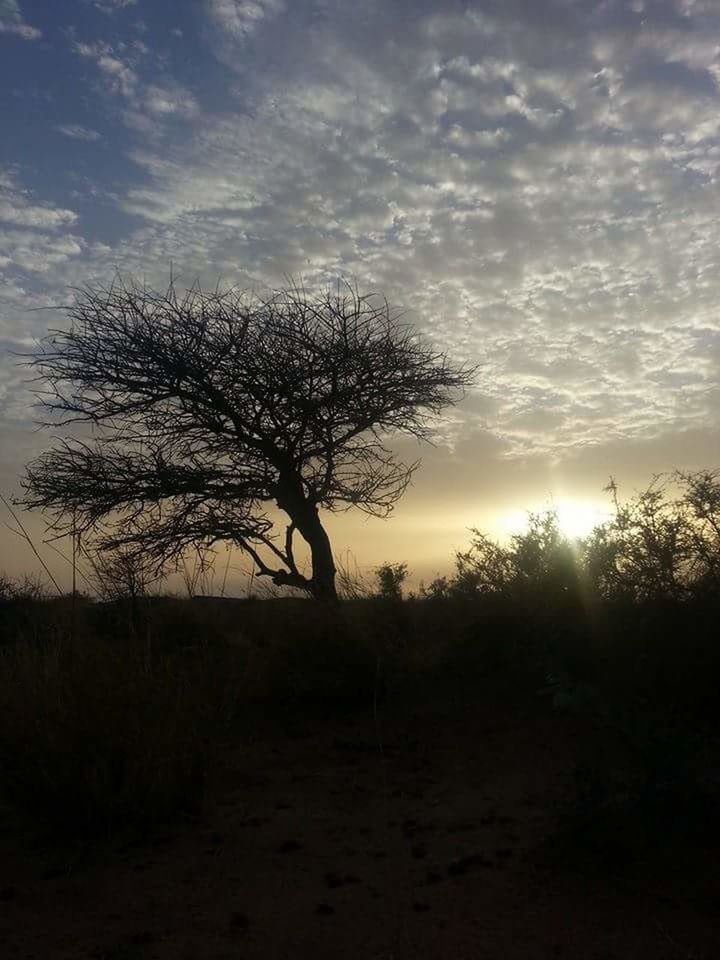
(533, 181)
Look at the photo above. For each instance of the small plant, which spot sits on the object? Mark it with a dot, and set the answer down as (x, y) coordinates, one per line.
(390, 578)
(352, 584)
(437, 589)
(123, 575)
(28, 589)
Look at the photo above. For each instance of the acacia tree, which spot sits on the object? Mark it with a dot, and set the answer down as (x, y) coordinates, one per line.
(206, 408)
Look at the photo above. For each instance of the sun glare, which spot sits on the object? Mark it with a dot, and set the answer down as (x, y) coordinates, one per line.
(576, 518)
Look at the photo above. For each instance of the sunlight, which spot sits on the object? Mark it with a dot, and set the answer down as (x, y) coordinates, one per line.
(576, 518)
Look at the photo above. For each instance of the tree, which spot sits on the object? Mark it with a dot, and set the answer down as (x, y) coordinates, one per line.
(390, 578)
(205, 408)
(659, 546)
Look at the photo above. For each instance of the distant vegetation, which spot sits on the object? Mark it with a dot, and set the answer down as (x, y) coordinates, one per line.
(658, 546)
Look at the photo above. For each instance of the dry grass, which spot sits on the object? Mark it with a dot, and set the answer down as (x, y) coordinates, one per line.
(118, 727)
(96, 739)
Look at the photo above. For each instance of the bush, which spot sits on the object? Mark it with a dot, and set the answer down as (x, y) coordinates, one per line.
(539, 567)
(390, 578)
(95, 740)
(655, 548)
(21, 603)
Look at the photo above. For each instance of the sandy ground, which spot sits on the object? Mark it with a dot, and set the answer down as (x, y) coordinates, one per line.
(423, 837)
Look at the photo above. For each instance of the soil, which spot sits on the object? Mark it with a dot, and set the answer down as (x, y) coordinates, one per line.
(419, 831)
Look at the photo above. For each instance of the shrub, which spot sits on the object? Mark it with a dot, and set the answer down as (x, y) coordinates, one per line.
(539, 565)
(437, 589)
(656, 547)
(95, 739)
(390, 578)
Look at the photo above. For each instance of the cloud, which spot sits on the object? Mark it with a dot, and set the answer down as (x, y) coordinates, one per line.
(12, 22)
(696, 8)
(120, 76)
(112, 6)
(145, 102)
(17, 210)
(40, 253)
(537, 189)
(34, 238)
(163, 101)
(25, 215)
(242, 18)
(554, 218)
(75, 132)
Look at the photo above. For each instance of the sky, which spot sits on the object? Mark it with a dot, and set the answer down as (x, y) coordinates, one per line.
(534, 182)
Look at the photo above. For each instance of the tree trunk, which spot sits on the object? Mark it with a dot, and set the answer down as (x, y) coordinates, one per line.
(323, 565)
(304, 515)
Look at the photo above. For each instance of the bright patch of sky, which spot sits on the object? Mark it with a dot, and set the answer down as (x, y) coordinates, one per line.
(535, 183)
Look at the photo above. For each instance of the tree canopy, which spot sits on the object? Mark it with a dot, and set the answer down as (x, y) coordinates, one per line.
(205, 408)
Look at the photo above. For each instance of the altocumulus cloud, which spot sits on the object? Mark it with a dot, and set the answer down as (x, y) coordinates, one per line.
(123, 68)
(241, 18)
(536, 184)
(112, 6)
(32, 235)
(12, 21)
(77, 132)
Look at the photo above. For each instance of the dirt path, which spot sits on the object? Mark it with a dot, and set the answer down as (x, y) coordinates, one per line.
(423, 839)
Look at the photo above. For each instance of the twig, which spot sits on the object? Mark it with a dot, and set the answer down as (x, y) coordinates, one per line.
(227, 567)
(79, 569)
(26, 536)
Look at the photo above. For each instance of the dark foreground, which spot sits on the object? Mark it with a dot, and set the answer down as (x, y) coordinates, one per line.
(368, 781)
(410, 830)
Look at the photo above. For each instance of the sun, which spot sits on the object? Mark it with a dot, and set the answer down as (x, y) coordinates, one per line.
(576, 518)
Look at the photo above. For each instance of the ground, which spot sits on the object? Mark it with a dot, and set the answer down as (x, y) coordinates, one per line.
(413, 830)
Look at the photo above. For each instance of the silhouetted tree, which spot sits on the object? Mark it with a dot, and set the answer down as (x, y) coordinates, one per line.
(124, 575)
(390, 578)
(207, 407)
(485, 567)
(702, 499)
(659, 546)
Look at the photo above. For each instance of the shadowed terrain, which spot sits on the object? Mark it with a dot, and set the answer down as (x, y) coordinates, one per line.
(378, 779)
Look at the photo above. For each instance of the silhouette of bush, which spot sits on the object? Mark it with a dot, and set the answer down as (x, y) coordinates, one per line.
(20, 608)
(622, 625)
(538, 565)
(437, 589)
(390, 578)
(658, 546)
(96, 739)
